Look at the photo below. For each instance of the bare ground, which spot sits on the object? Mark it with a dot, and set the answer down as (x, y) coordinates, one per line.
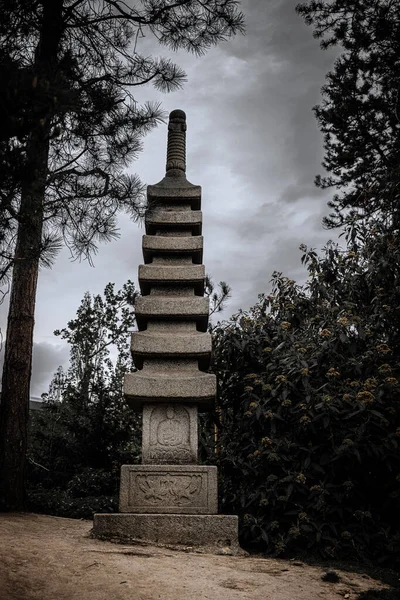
(51, 558)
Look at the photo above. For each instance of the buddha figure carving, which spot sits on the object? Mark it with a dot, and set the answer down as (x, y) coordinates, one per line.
(171, 431)
(170, 434)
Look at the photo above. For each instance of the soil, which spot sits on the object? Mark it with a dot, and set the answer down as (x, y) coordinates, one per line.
(48, 558)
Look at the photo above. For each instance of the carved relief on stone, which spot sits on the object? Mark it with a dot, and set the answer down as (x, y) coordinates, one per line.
(186, 489)
(169, 489)
(169, 434)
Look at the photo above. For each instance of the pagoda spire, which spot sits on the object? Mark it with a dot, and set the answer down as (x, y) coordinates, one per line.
(176, 145)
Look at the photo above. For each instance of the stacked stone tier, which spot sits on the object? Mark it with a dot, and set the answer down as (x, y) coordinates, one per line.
(162, 245)
(188, 387)
(172, 348)
(168, 308)
(157, 274)
(174, 195)
(157, 344)
(178, 220)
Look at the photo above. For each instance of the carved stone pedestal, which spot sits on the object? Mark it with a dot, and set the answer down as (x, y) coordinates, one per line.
(168, 489)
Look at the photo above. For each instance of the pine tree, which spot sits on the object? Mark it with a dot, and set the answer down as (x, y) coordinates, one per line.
(360, 111)
(72, 67)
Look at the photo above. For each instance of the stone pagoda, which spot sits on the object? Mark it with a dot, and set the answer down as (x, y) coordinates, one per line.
(169, 498)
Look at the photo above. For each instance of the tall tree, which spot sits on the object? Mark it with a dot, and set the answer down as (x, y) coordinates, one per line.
(73, 126)
(360, 111)
(86, 430)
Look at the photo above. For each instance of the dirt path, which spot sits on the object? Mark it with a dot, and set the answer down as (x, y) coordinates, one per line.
(50, 558)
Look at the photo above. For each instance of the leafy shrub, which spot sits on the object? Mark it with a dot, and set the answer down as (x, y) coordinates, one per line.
(308, 408)
(91, 482)
(62, 504)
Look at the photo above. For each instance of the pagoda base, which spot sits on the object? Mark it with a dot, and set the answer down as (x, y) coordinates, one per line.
(212, 532)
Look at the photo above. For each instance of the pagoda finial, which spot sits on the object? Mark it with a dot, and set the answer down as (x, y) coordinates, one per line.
(176, 148)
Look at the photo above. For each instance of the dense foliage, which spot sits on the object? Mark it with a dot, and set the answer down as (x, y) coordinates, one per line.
(359, 112)
(309, 407)
(85, 431)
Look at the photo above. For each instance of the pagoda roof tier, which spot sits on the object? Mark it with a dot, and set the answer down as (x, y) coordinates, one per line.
(165, 274)
(175, 191)
(190, 387)
(173, 245)
(179, 308)
(173, 219)
(158, 345)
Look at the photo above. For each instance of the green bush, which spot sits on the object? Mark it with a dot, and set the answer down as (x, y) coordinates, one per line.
(60, 503)
(308, 404)
(91, 482)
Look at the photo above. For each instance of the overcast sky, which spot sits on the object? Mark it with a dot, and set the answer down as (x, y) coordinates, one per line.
(254, 147)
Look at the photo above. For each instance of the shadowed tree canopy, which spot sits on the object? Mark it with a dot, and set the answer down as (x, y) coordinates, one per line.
(69, 126)
(71, 69)
(360, 111)
(85, 430)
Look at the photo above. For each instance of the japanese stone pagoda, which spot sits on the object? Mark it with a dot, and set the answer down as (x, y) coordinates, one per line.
(169, 498)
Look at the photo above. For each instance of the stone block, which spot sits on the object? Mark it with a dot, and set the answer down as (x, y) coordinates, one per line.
(169, 434)
(177, 219)
(183, 489)
(154, 274)
(162, 244)
(190, 387)
(210, 531)
(171, 344)
(192, 308)
(173, 191)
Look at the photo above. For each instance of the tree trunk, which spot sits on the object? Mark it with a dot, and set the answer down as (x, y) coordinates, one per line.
(14, 406)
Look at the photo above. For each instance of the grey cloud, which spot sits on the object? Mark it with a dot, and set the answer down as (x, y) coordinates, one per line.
(45, 362)
(254, 147)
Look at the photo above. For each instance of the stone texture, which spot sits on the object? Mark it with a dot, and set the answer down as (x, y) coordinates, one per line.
(169, 434)
(175, 191)
(183, 489)
(211, 531)
(185, 274)
(176, 309)
(192, 344)
(161, 244)
(175, 219)
(190, 387)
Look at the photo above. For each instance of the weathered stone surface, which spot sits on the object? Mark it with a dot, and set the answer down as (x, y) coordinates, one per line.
(168, 274)
(169, 499)
(169, 434)
(192, 308)
(192, 344)
(161, 244)
(164, 219)
(184, 489)
(175, 191)
(211, 531)
(190, 387)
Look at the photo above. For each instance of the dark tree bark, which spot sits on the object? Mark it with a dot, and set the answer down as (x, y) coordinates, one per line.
(14, 407)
